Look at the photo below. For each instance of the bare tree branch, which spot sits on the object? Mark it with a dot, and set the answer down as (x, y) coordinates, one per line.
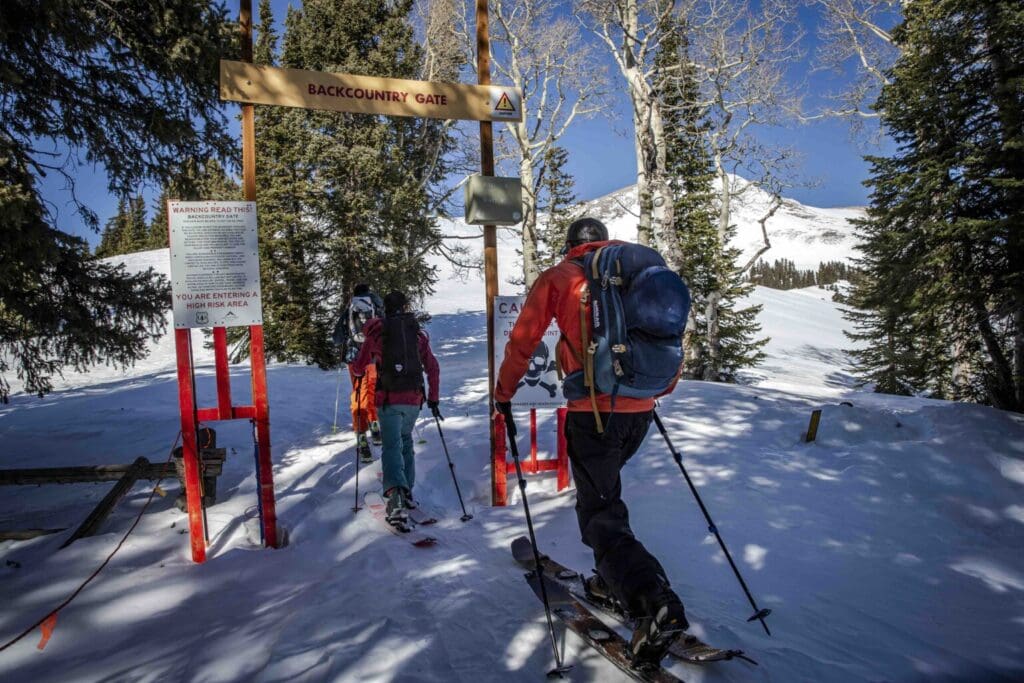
(562, 81)
(855, 41)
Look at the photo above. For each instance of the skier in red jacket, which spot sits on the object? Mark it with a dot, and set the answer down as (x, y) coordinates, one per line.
(626, 572)
(402, 353)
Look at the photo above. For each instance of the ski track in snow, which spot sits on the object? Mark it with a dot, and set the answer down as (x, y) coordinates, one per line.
(889, 550)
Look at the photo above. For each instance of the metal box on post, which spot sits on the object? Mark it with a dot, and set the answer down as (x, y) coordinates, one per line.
(492, 200)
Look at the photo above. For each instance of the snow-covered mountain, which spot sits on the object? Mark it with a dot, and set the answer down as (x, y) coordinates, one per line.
(806, 235)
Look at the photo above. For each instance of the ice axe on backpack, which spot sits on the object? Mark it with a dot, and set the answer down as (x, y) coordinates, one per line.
(759, 613)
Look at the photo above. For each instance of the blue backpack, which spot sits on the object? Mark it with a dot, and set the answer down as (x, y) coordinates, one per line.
(633, 344)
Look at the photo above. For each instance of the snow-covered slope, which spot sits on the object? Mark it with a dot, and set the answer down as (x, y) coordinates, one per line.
(891, 549)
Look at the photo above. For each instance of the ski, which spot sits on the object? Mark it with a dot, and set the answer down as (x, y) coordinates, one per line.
(581, 621)
(376, 505)
(687, 648)
(421, 517)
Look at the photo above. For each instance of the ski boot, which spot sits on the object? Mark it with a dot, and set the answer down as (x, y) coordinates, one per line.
(599, 593)
(396, 511)
(363, 449)
(664, 622)
(410, 502)
(375, 433)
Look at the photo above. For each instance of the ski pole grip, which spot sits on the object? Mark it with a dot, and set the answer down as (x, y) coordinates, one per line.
(510, 423)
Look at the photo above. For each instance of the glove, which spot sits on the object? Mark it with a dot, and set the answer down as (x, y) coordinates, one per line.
(435, 410)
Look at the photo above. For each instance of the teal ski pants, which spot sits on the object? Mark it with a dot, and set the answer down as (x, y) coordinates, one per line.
(396, 423)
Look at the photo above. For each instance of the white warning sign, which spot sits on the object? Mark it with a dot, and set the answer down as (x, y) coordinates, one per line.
(215, 265)
(539, 387)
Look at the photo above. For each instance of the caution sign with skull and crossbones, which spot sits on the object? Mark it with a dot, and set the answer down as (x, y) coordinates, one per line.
(540, 387)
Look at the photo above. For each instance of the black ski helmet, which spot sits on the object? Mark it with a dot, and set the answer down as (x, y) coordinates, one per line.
(584, 230)
(395, 303)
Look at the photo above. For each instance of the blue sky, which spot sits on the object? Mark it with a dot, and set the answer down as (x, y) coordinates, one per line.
(831, 169)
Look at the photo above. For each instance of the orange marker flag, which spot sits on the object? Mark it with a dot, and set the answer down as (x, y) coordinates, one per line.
(47, 628)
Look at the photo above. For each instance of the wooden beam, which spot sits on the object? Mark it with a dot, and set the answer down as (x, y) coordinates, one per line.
(26, 534)
(106, 506)
(82, 475)
(812, 427)
(483, 76)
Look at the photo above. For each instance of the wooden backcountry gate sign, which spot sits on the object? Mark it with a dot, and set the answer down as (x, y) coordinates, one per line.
(258, 84)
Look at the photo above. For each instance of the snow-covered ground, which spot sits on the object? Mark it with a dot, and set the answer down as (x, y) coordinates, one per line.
(889, 550)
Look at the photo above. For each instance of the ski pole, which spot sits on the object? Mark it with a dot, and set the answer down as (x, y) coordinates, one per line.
(337, 396)
(451, 467)
(356, 507)
(510, 427)
(759, 613)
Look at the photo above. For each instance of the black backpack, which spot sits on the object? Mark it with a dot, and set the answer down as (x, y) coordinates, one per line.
(400, 366)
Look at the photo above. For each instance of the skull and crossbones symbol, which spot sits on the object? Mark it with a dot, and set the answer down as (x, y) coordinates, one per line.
(540, 365)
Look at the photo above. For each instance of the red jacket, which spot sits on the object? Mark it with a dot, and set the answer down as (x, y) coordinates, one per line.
(556, 294)
(371, 351)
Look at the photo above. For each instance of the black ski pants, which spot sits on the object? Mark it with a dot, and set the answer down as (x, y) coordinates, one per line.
(622, 561)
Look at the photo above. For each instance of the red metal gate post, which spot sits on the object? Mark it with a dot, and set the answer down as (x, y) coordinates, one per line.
(563, 450)
(189, 445)
(264, 470)
(499, 467)
(533, 442)
(220, 356)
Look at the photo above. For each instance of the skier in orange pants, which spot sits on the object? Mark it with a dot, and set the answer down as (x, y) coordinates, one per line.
(364, 403)
(348, 337)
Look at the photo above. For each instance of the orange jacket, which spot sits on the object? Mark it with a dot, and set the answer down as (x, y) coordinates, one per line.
(556, 294)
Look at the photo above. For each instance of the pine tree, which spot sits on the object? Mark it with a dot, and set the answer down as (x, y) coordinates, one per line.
(193, 181)
(113, 233)
(294, 318)
(375, 169)
(127, 86)
(719, 339)
(343, 198)
(158, 237)
(557, 199)
(126, 231)
(136, 234)
(941, 306)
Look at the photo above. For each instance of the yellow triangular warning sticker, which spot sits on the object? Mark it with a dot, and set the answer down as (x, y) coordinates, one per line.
(504, 103)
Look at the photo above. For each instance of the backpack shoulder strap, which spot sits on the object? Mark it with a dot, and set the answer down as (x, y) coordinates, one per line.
(589, 349)
(595, 261)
